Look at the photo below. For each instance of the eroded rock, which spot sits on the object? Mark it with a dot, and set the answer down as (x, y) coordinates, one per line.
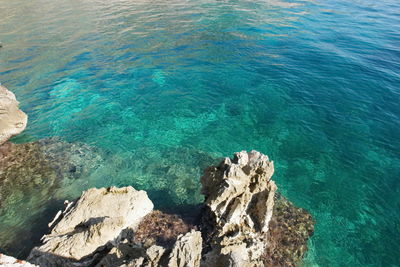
(96, 218)
(12, 120)
(239, 201)
(244, 223)
(187, 250)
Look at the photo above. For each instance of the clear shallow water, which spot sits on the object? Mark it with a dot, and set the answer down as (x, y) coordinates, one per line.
(165, 88)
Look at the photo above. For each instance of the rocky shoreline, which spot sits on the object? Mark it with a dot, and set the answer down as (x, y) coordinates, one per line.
(243, 221)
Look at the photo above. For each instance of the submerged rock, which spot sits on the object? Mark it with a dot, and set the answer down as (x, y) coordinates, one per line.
(42, 165)
(12, 120)
(161, 229)
(289, 229)
(187, 250)
(30, 176)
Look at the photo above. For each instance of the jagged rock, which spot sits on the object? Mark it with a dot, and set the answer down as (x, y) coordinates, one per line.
(160, 240)
(96, 218)
(187, 250)
(126, 254)
(239, 201)
(12, 120)
(8, 261)
(245, 222)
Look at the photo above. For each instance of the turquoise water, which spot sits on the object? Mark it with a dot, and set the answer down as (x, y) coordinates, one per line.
(165, 88)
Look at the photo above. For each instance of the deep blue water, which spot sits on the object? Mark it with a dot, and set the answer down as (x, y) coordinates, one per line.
(166, 87)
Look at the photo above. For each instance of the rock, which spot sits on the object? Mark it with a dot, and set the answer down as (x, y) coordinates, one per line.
(160, 240)
(12, 120)
(187, 250)
(239, 201)
(7, 261)
(96, 218)
(244, 223)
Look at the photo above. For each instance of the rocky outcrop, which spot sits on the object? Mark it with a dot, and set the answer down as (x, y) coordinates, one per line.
(239, 200)
(245, 222)
(12, 120)
(239, 206)
(98, 217)
(110, 227)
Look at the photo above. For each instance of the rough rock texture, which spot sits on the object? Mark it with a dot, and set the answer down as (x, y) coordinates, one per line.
(239, 200)
(7, 261)
(115, 227)
(98, 217)
(244, 223)
(12, 120)
(187, 250)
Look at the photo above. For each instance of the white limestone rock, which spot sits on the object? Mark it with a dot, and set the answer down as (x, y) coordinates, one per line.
(12, 120)
(239, 199)
(95, 219)
(187, 250)
(8, 261)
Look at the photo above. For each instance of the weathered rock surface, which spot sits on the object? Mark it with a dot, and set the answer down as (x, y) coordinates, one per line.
(187, 250)
(111, 227)
(96, 218)
(239, 200)
(12, 120)
(7, 261)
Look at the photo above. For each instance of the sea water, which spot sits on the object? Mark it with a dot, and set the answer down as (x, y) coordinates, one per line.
(166, 88)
